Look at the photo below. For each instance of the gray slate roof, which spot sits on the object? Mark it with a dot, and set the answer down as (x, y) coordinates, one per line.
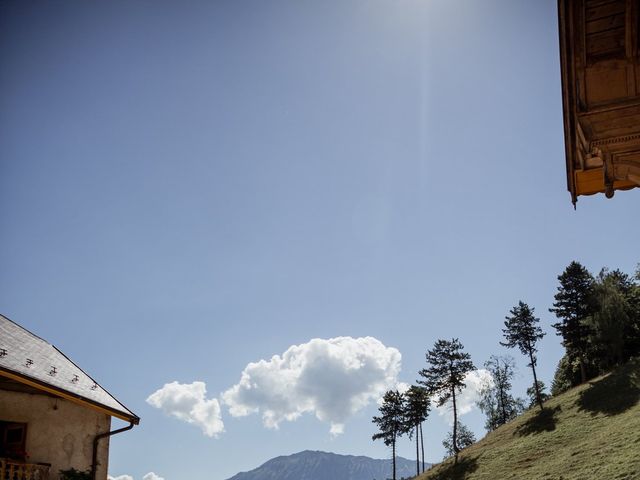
(34, 360)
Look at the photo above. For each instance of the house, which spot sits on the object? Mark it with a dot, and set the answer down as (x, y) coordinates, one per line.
(53, 416)
(600, 67)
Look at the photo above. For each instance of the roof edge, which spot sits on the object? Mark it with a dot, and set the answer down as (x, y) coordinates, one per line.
(67, 395)
(568, 102)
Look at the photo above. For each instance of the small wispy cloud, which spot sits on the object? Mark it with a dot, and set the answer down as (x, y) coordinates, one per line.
(188, 402)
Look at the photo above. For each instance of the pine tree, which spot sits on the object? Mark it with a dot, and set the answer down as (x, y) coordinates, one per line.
(445, 376)
(522, 331)
(573, 305)
(417, 404)
(391, 422)
(565, 376)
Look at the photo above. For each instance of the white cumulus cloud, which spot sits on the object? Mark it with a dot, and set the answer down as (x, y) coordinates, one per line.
(152, 476)
(330, 378)
(188, 402)
(148, 476)
(401, 387)
(466, 400)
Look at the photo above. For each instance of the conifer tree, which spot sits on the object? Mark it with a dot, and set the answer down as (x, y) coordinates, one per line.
(522, 331)
(391, 422)
(444, 377)
(417, 404)
(573, 305)
(564, 377)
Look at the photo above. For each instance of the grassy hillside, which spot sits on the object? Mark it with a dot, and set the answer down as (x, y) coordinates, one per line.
(589, 432)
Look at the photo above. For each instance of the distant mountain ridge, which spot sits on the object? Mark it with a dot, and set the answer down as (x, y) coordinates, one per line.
(315, 465)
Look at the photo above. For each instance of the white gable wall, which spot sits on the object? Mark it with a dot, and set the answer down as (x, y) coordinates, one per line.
(59, 432)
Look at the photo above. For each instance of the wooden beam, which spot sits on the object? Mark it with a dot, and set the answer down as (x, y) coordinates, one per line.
(589, 182)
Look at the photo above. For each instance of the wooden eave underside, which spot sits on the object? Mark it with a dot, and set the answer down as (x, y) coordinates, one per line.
(600, 72)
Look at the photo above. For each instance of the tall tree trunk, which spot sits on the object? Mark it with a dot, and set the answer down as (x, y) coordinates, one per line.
(393, 447)
(422, 445)
(455, 425)
(417, 452)
(583, 370)
(503, 408)
(535, 381)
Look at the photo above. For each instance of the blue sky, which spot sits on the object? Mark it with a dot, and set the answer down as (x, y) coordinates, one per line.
(188, 187)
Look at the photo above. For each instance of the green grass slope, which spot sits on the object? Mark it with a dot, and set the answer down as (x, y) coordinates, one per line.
(589, 432)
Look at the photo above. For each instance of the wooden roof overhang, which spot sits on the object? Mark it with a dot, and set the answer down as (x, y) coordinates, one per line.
(600, 68)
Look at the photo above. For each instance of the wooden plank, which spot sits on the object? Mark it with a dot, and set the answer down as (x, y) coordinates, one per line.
(596, 3)
(615, 128)
(591, 181)
(606, 112)
(609, 132)
(604, 24)
(606, 43)
(606, 10)
(605, 85)
(615, 119)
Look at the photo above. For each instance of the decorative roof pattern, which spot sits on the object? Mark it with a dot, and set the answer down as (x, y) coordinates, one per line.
(28, 358)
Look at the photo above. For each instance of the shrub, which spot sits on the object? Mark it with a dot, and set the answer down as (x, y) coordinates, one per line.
(73, 474)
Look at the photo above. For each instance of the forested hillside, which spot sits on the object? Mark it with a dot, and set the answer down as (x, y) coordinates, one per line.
(589, 432)
(598, 320)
